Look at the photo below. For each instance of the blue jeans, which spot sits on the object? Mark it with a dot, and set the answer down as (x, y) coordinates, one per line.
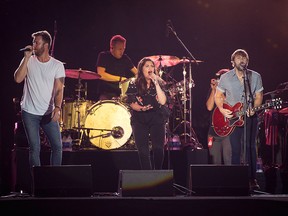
(32, 124)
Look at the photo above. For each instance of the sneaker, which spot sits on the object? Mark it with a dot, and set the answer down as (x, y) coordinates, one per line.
(254, 185)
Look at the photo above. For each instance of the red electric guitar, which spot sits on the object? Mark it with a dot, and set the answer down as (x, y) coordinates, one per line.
(224, 126)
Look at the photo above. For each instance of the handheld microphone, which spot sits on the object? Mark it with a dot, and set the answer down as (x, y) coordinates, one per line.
(25, 49)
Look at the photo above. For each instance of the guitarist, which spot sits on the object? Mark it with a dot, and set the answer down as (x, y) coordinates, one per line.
(245, 86)
(219, 147)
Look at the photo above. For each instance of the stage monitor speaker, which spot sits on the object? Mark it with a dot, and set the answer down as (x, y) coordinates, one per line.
(62, 181)
(219, 180)
(143, 183)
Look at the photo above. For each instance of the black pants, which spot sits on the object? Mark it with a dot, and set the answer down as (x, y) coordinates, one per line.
(143, 133)
(249, 156)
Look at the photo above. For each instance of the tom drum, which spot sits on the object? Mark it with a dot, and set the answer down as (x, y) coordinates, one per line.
(74, 112)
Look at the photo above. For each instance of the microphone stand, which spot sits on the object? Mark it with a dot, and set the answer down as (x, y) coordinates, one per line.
(54, 38)
(190, 85)
(248, 103)
(245, 105)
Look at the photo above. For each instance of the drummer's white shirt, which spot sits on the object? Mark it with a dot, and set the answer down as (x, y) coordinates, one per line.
(38, 90)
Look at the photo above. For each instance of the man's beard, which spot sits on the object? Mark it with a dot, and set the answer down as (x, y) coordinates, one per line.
(39, 52)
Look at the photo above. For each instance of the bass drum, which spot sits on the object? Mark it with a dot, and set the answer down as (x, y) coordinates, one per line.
(107, 124)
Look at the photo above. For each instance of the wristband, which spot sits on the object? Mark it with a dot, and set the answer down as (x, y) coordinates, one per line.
(120, 79)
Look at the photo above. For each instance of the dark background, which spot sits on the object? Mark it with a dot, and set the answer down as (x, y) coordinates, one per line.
(209, 29)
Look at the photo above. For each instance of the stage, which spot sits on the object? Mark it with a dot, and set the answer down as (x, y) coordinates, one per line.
(166, 206)
(105, 198)
(106, 165)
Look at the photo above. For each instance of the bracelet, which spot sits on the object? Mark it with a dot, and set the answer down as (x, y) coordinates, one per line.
(120, 79)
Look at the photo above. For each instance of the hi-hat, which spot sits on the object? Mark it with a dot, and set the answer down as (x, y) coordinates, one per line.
(81, 74)
(164, 60)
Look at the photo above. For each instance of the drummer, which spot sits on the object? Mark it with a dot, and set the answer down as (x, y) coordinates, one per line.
(114, 67)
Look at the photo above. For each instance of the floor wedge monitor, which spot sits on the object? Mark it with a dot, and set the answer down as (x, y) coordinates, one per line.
(219, 180)
(145, 183)
(62, 181)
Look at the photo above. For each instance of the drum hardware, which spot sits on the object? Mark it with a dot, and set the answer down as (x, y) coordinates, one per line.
(80, 75)
(191, 84)
(116, 132)
(182, 87)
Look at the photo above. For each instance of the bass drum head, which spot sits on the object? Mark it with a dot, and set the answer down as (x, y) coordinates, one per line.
(108, 124)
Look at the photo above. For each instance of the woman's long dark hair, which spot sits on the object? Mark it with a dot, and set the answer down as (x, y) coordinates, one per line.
(141, 82)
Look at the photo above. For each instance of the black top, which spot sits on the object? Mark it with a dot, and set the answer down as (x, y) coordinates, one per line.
(158, 114)
(119, 67)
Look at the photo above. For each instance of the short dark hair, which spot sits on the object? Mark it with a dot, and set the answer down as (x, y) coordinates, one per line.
(46, 37)
(240, 52)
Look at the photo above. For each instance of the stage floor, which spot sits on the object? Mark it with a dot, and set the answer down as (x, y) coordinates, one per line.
(257, 204)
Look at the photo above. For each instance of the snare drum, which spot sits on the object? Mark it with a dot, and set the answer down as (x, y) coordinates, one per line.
(107, 124)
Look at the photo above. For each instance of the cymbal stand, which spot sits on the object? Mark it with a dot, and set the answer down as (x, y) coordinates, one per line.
(193, 137)
(78, 101)
(184, 100)
(171, 29)
(183, 113)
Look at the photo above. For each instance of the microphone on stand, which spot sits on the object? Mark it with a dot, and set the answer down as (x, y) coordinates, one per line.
(244, 66)
(117, 132)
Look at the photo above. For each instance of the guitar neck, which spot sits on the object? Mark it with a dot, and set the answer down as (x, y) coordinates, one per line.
(263, 106)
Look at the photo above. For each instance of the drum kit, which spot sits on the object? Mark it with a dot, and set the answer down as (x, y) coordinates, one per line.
(106, 123)
(180, 93)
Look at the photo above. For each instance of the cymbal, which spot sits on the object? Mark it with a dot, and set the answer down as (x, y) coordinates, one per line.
(164, 60)
(81, 74)
(187, 61)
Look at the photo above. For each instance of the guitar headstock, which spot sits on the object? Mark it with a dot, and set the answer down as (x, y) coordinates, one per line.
(276, 103)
